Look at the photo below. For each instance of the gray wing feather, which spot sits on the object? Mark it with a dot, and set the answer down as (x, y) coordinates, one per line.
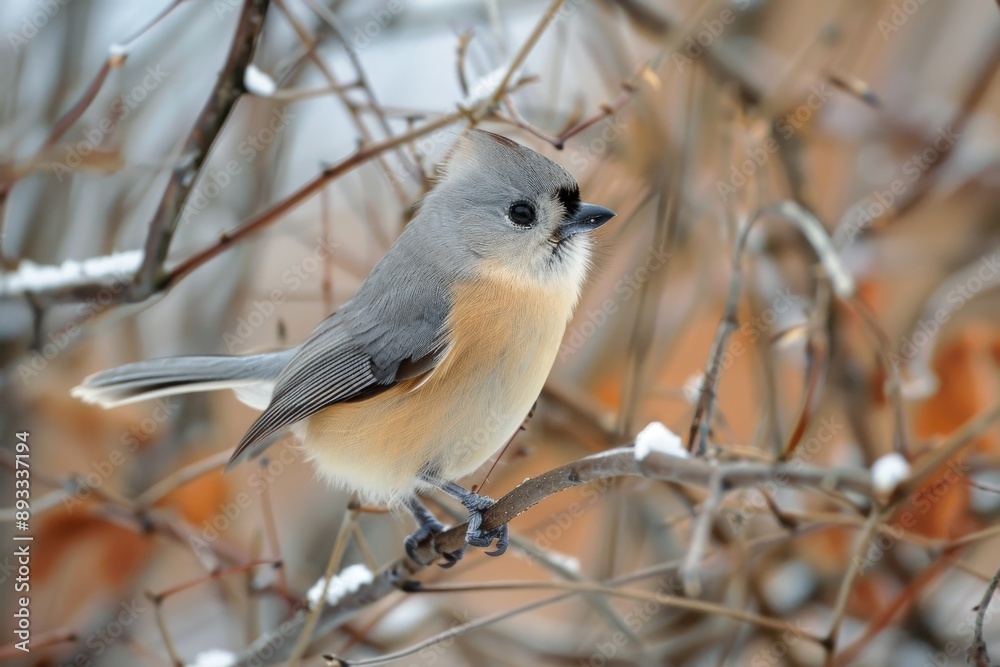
(392, 330)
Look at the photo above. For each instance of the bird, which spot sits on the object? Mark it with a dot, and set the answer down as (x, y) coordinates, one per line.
(437, 359)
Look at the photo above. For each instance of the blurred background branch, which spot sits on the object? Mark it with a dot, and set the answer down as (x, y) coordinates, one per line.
(801, 281)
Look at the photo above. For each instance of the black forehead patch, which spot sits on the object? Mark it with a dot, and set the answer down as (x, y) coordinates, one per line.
(569, 198)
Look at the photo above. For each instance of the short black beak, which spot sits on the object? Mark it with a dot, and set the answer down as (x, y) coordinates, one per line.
(587, 218)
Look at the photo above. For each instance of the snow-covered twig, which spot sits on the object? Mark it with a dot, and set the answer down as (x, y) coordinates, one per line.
(348, 580)
(658, 438)
(888, 472)
(31, 278)
(214, 658)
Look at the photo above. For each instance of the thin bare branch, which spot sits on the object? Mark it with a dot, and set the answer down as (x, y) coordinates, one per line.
(195, 150)
(978, 652)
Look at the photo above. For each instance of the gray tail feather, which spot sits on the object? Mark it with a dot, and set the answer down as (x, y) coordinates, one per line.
(251, 376)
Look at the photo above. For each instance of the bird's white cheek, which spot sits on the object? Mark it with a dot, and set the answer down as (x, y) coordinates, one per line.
(579, 261)
(570, 273)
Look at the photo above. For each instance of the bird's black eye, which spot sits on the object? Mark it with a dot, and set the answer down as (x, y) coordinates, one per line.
(522, 214)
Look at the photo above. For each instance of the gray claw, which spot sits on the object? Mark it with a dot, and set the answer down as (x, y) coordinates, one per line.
(475, 535)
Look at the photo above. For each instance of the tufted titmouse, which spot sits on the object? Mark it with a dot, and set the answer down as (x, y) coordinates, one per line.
(439, 356)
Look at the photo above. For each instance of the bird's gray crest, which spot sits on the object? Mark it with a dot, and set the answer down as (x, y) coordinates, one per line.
(483, 155)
